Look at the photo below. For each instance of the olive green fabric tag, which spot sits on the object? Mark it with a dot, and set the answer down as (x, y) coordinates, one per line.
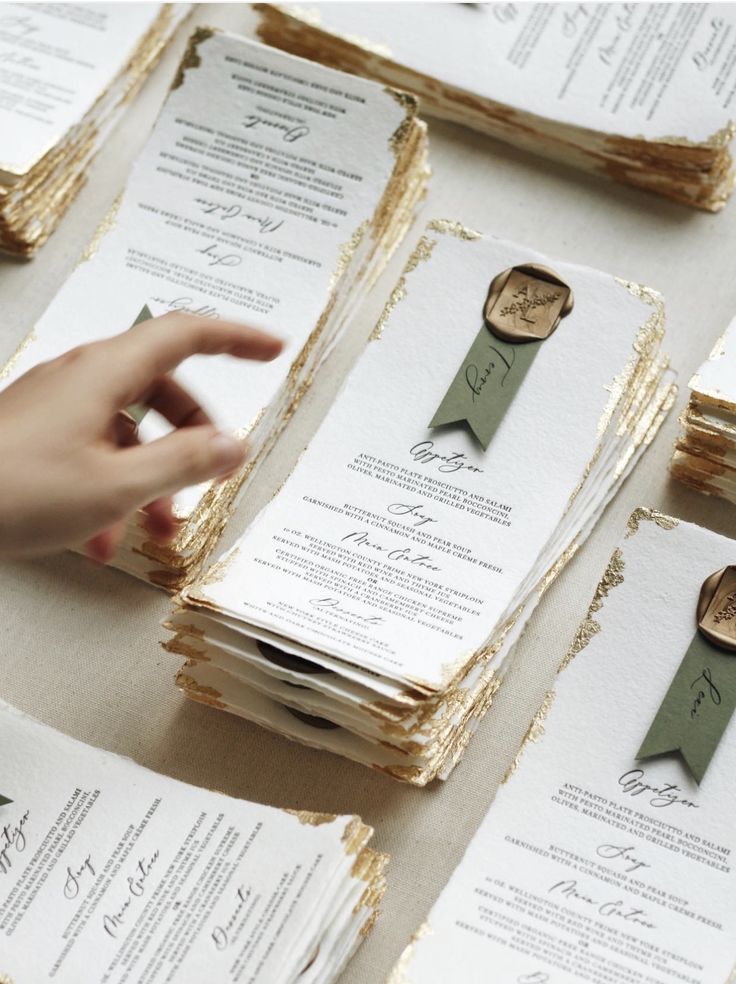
(485, 384)
(4, 801)
(139, 410)
(696, 708)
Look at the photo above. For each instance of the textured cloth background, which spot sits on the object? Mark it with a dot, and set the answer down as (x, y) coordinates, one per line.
(79, 646)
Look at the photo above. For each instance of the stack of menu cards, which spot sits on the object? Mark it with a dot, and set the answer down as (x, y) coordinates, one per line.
(644, 93)
(67, 72)
(705, 452)
(593, 864)
(271, 191)
(112, 873)
(371, 606)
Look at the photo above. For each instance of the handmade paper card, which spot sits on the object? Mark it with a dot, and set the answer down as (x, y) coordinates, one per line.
(593, 864)
(644, 93)
(110, 873)
(603, 64)
(705, 452)
(373, 607)
(271, 191)
(399, 546)
(56, 60)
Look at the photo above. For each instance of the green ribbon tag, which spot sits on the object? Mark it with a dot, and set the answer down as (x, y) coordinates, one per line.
(524, 306)
(485, 384)
(139, 410)
(4, 801)
(696, 708)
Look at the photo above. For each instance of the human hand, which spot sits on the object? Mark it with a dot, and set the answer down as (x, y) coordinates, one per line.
(71, 464)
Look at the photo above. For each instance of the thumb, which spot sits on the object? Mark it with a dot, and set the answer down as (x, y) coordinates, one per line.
(185, 457)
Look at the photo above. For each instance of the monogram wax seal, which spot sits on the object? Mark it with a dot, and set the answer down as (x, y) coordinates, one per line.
(716, 612)
(526, 303)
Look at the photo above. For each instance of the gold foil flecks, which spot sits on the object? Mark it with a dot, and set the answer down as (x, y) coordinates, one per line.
(716, 141)
(369, 867)
(105, 226)
(217, 571)
(644, 514)
(179, 647)
(533, 733)
(205, 695)
(457, 229)
(191, 630)
(312, 819)
(410, 105)
(422, 251)
(356, 835)
(345, 254)
(451, 671)
(413, 774)
(397, 975)
(613, 576)
(367, 928)
(647, 339)
(649, 335)
(562, 561)
(653, 330)
(15, 358)
(191, 57)
(242, 432)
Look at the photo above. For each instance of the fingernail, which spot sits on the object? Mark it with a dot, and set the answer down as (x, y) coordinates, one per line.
(227, 452)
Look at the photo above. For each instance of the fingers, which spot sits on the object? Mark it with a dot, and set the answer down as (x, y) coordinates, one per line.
(124, 430)
(101, 547)
(153, 348)
(160, 520)
(173, 402)
(188, 456)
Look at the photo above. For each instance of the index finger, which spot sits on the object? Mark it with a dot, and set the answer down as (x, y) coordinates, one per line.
(152, 348)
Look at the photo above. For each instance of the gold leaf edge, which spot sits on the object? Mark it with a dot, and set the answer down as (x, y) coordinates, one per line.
(422, 251)
(397, 975)
(191, 58)
(590, 626)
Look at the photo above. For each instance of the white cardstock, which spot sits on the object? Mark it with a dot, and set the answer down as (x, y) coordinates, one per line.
(651, 70)
(110, 873)
(257, 175)
(716, 378)
(56, 60)
(592, 866)
(399, 547)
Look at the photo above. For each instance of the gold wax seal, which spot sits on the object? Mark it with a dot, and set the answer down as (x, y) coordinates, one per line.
(717, 608)
(526, 303)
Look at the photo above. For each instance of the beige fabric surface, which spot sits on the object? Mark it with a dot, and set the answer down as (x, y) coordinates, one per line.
(79, 646)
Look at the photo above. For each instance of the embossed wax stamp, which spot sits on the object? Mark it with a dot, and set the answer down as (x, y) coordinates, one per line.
(526, 303)
(717, 608)
(698, 706)
(638, 854)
